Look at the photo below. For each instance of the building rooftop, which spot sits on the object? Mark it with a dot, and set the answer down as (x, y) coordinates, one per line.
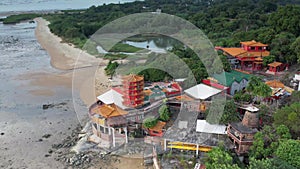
(258, 54)
(227, 78)
(112, 97)
(205, 127)
(275, 84)
(158, 127)
(133, 78)
(202, 91)
(275, 64)
(253, 43)
(243, 129)
(108, 111)
(234, 51)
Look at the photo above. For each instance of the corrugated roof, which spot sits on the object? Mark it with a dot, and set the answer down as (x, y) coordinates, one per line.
(227, 78)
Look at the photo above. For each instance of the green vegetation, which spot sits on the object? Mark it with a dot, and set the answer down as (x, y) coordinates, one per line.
(150, 122)
(220, 114)
(12, 19)
(111, 56)
(164, 113)
(242, 96)
(219, 158)
(258, 88)
(267, 140)
(111, 68)
(226, 23)
(288, 150)
(268, 59)
(122, 47)
(289, 116)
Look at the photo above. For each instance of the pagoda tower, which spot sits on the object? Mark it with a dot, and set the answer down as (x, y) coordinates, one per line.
(133, 86)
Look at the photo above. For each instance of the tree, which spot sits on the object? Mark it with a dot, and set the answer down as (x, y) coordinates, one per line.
(111, 68)
(281, 47)
(257, 150)
(263, 164)
(286, 18)
(258, 88)
(230, 113)
(268, 59)
(295, 97)
(295, 46)
(150, 122)
(267, 140)
(265, 114)
(226, 64)
(289, 116)
(288, 150)
(164, 113)
(241, 96)
(219, 158)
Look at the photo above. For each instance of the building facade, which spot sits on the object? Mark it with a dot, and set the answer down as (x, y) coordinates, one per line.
(133, 87)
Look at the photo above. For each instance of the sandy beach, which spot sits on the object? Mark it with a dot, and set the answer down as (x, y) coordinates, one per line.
(87, 74)
(88, 78)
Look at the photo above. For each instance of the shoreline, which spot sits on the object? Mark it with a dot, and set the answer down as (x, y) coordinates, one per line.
(87, 78)
(79, 67)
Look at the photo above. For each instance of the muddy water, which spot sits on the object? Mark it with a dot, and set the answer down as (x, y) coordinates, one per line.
(27, 81)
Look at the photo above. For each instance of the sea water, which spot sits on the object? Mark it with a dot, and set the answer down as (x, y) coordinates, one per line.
(32, 5)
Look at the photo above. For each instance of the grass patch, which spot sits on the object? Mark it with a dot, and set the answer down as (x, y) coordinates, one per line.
(121, 47)
(115, 56)
(12, 19)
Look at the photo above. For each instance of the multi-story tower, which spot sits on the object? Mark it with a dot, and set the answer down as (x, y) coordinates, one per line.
(133, 86)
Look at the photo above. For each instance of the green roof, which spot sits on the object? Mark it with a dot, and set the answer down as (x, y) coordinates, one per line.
(227, 78)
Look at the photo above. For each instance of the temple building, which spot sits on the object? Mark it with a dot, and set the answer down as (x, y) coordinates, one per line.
(248, 56)
(109, 124)
(242, 133)
(133, 87)
(232, 81)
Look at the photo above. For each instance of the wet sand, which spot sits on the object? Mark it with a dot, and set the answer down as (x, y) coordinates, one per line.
(89, 79)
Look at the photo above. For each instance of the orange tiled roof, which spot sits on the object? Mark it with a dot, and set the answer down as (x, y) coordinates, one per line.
(108, 111)
(158, 127)
(133, 78)
(234, 51)
(253, 43)
(258, 54)
(275, 64)
(148, 92)
(275, 84)
(258, 59)
(184, 98)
